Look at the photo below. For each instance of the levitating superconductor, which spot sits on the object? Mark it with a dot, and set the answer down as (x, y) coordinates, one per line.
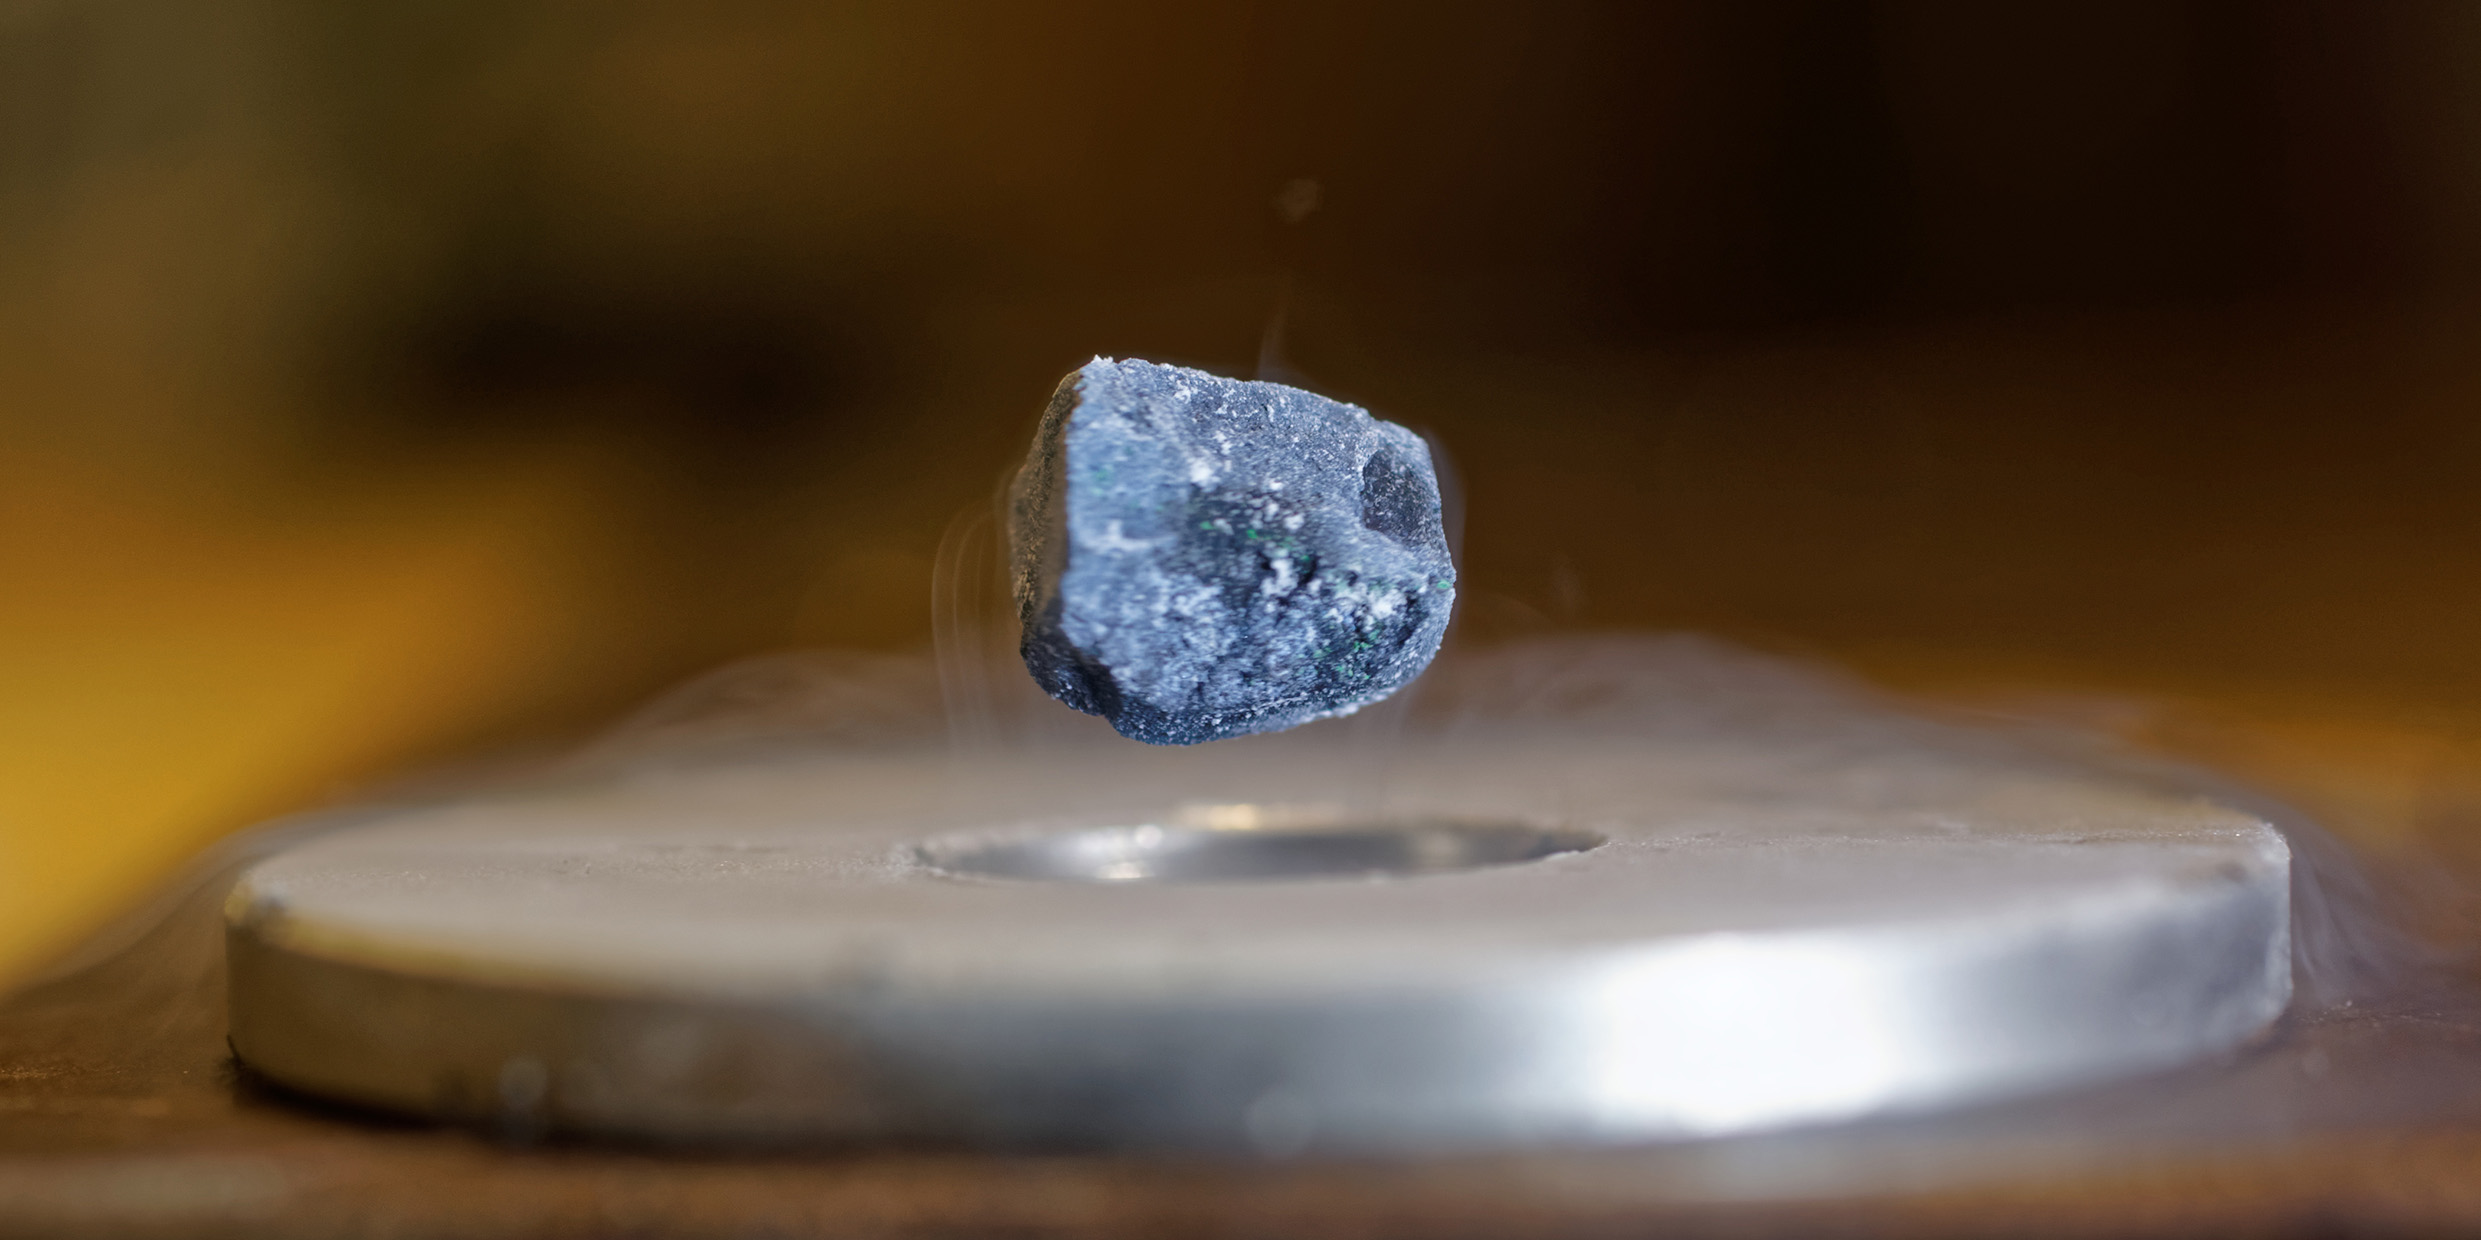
(1197, 557)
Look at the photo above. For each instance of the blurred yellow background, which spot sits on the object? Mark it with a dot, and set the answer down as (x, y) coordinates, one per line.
(384, 385)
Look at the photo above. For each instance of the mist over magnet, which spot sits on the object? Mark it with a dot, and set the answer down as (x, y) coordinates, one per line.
(1195, 557)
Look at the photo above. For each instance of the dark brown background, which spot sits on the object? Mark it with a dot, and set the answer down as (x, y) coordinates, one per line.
(1839, 322)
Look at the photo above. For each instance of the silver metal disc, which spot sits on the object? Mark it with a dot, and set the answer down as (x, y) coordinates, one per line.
(1501, 938)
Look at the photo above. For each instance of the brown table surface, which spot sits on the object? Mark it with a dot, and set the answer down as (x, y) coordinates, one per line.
(122, 1113)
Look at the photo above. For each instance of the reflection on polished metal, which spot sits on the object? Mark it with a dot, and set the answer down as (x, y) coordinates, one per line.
(1150, 852)
(1508, 941)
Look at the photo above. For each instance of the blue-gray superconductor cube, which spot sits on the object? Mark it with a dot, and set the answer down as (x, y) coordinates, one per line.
(1197, 557)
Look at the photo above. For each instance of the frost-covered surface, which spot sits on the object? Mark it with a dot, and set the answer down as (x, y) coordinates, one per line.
(1197, 557)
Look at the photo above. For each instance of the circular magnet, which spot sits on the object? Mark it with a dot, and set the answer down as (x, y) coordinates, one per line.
(1500, 939)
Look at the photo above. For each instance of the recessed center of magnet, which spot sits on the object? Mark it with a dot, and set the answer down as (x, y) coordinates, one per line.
(1156, 853)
